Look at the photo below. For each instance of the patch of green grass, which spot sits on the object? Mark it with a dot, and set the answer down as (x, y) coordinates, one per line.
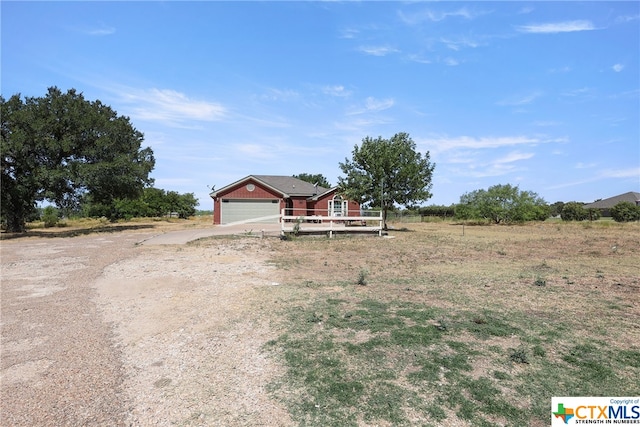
(344, 381)
(364, 377)
(487, 324)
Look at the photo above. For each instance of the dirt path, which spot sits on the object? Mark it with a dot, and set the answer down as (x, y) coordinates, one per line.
(98, 330)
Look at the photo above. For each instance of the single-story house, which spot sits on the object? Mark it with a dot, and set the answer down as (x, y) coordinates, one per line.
(606, 204)
(261, 198)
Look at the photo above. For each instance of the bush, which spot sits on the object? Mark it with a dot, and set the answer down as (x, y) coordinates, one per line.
(574, 211)
(50, 216)
(594, 214)
(502, 204)
(625, 212)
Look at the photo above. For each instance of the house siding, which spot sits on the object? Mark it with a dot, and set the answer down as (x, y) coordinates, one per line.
(240, 192)
(321, 206)
(297, 204)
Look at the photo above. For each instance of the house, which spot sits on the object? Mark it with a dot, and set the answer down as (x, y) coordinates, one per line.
(605, 205)
(261, 198)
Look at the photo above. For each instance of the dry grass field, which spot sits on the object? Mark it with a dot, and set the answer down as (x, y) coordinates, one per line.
(437, 327)
(433, 325)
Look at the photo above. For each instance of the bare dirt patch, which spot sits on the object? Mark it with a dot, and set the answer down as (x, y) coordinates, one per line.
(97, 330)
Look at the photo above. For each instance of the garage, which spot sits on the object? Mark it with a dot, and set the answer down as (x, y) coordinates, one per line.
(234, 210)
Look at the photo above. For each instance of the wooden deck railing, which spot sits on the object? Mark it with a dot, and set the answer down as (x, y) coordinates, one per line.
(329, 224)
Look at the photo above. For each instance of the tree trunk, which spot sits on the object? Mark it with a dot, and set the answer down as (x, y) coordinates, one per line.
(15, 223)
(384, 218)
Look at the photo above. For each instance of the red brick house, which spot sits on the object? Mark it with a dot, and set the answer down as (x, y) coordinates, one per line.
(261, 198)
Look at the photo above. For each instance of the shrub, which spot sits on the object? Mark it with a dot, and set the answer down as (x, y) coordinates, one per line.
(594, 214)
(519, 355)
(625, 212)
(502, 204)
(362, 277)
(50, 216)
(574, 211)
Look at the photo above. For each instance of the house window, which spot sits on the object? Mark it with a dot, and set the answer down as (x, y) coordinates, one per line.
(337, 206)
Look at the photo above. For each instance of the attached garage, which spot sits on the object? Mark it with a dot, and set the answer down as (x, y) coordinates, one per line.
(261, 198)
(234, 210)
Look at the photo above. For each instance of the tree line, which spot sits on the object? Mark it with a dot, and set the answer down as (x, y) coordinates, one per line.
(86, 160)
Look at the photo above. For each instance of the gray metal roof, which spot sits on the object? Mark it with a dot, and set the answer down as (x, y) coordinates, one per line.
(631, 196)
(287, 185)
(290, 185)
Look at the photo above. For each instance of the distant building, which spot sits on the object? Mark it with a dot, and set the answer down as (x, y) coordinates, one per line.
(605, 205)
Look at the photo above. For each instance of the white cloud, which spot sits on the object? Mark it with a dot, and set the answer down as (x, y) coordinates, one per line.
(617, 68)
(435, 16)
(558, 27)
(621, 173)
(419, 59)
(452, 62)
(577, 92)
(546, 123)
(102, 31)
(627, 18)
(373, 104)
(581, 165)
(564, 69)
(603, 174)
(336, 90)
(514, 157)
(169, 106)
(99, 30)
(486, 168)
(444, 143)
(377, 50)
(349, 33)
(274, 94)
(459, 43)
(521, 100)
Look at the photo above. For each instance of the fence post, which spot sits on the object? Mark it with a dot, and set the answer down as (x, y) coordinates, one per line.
(282, 221)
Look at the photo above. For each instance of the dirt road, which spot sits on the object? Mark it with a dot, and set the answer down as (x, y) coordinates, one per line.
(100, 330)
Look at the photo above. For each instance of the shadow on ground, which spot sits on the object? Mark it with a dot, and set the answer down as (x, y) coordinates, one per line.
(75, 232)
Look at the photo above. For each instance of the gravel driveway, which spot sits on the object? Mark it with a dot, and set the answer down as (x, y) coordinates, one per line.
(100, 330)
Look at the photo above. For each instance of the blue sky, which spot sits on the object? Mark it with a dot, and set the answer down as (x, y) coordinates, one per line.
(544, 95)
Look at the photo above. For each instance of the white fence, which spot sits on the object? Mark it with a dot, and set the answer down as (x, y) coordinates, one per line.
(331, 224)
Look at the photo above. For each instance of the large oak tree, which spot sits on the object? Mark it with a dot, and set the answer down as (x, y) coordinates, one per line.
(386, 172)
(62, 148)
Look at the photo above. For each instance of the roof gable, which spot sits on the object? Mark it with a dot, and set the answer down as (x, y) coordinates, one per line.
(287, 186)
(290, 185)
(631, 196)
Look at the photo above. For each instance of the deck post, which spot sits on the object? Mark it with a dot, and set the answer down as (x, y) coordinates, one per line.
(282, 212)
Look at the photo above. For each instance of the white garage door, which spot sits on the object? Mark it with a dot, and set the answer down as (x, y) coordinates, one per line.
(234, 210)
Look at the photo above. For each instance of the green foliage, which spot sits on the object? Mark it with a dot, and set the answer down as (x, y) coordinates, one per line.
(155, 202)
(318, 179)
(574, 211)
(435, 210)
(556, 208)
(50, 216)
(625, 212)
(62, 148)
(593, 214)
(384, 172)
(519, 355)
(502, 203)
